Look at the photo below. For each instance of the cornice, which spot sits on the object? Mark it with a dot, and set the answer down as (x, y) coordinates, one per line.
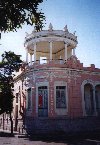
(55, 35)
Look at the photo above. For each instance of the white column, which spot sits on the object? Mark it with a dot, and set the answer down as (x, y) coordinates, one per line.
(66, 50)
(50, 50)
(34, 52)
(30, 59)
(26, 55)
(74, 51)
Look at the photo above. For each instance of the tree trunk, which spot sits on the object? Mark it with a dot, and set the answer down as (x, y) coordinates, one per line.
(3, 122)
(11, 123)
(16, 123)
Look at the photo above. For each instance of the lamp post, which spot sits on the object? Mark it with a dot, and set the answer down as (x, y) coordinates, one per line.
(3, 113)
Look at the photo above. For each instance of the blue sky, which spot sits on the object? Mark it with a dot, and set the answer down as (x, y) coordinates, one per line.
(82, 16)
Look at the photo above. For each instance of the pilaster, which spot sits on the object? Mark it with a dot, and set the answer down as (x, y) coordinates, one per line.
(50, 50)
(66, 44)
(34, 52)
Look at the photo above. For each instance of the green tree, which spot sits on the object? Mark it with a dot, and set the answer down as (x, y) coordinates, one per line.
(6, 102)
(14, 13)
(9, 64)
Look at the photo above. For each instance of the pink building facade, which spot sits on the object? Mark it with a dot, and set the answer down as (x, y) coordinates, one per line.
(57, 92)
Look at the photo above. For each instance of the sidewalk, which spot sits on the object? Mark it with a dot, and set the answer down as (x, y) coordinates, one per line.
(7, 133)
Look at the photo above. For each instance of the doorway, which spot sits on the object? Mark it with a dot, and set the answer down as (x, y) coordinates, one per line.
(97, 98)
(89, 100)
(42, 101)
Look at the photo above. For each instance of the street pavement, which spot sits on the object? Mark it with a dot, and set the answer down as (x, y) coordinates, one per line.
(25, 141)
(22, 139)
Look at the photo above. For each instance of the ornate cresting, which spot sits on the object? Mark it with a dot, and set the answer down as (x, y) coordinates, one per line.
(51, 45)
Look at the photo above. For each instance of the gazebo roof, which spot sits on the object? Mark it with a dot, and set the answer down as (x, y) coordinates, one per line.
(58, 37)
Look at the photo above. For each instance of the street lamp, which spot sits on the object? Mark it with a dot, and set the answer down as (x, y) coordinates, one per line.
(1, 109)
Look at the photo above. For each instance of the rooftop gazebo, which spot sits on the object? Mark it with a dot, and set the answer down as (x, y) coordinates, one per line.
(50, 45)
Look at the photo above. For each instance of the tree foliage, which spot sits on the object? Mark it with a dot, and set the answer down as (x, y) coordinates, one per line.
(6, 94)
(14, 13)
(10, 63)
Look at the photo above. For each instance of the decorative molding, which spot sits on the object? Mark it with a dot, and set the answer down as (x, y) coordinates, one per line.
(96, 83)
(47, 33)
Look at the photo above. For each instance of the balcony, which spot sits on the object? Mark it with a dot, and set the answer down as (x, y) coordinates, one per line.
(46, 61)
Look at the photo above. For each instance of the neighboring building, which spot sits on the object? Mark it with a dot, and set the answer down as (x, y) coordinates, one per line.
(57, 92)
(19, 101)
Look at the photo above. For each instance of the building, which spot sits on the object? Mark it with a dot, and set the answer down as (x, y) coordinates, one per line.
(56, 92)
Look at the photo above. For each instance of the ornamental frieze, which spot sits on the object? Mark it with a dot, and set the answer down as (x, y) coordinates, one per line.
(57, 74)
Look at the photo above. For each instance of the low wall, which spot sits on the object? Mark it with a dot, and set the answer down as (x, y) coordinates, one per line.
(59, 125)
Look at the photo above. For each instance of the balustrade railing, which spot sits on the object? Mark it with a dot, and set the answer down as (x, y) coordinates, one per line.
(47, 61)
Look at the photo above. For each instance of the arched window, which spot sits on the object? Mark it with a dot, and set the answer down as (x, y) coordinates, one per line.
(88, 98)
(97, 98)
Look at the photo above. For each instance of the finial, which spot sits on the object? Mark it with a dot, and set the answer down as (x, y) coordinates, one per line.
(34, 29)
(65, 28)
(74, 32)
(50, 27)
